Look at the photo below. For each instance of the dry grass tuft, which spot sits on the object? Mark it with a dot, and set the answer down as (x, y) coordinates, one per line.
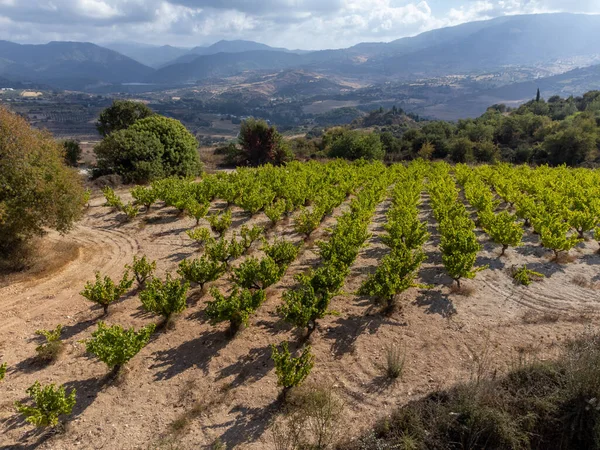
(532, 317)
(464, 290)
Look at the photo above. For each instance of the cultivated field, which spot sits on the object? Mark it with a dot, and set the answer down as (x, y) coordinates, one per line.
(195, 384)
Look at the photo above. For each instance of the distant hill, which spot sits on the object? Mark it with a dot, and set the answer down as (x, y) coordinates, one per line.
(149, 55)
(69, 65)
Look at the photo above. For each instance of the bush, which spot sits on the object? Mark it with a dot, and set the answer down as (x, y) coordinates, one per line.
(37, 190)
(291, 371)
(121, 115)
(235, 308)
(3, 368)
(49, 403)
(50, 350)
(354, 145)
(220, 222)
(262, 144)
(115, 346)
(104, 292)
(165, 298)
(142, 268)
(255, 274)
(201, 271)
(72, 152)
(152, 148)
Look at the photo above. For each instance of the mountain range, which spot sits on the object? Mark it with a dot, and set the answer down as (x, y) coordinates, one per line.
(504, 43)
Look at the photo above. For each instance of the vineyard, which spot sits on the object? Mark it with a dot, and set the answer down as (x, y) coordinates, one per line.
(228, 291)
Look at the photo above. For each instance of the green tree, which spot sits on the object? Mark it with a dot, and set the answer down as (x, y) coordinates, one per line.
(352, 144)
(37, 190)
(570, 146)
(121, 115)
(262, 143)
(115, 346)
(49, 403)
(72, 152)
(461, 150)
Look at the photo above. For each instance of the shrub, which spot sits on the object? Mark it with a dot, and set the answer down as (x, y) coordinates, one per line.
(250, 235)
(165, 298)
(220, 222)
(196, 210)
(50, 350)
(200, 235)
(395, 360)
(142, 268)
(275, 211)
(291, 371)
(131, 211)
(352, 144)
(201, 271)
(49, 403)
(3, 368)
(72, 152)
(144, 196)
(255, 274)
(121, 115)
(235, 308)
(37, 190)
(524, 276)
(104, 292)
(112, 199)
(115, 346)
(262, 144)
(308, 221)
(282, 252)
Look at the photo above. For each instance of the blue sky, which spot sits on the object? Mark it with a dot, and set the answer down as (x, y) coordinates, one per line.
(307, 24)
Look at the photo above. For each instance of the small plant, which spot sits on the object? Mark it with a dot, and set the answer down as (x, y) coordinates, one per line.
(275, 211)
(49, 403)
(225, 251)
(395, 360)
(255, 274)
(308, 221)
(200, 235)
(250, 235)
(235, 308)
(524, 276)
(165, 298)
(197, 210)
(220, 222)
(201, 271)
(291, 371)
(50, 350)
(3, 368)
(142, 268)
(282, 252)
(115, 346)
(105, 291)
(87, 196)
(131, 211)
(145, 196)
(112, 199)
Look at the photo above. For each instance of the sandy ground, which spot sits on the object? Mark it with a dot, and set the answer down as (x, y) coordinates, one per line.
(446, 337)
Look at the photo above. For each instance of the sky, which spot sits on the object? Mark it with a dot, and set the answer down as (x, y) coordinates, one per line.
(294, 24)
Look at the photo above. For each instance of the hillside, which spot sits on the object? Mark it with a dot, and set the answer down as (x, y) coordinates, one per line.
(68, 65)
(149, 55)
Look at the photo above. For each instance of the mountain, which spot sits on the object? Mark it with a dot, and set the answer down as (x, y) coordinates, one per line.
(223, 65)
(149, 55)
(235, 46)
(68, 65)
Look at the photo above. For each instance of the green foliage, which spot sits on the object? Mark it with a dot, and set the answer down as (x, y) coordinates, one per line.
(275, 211)
(115, 346)
(255, 274)
(524, 276)
(282, 252)
(37, 190)
(142, 268)
(51, 349)
(49, 403)
(200, 235)
(112, 199)
(504, 230)
(144, 195)
(308, 220)
(262, 144)
(350, 144)
(3, 368)
(201, 271)
(72, 152)
(395, 274)
(220, 222)
(131, 211)
(291, 371)
(250, 235)
(121, 115)
(554, 235)
(459, 252)
(196, 210)
(104, 291)
(165, 297)
(224, 251)
(235, 308)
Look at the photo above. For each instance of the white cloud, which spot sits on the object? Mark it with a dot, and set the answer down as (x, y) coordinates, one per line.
(290, 23)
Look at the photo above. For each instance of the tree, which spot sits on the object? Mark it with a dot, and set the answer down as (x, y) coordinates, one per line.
(262, 143)
(352, 144)
(291, 371)
(37, 190)
(538, 96)
(49, 403)
(72, 152)
(570, 146)
(461, 150)
(165, 298)
(104, 292)
(121, 115)
(115, 346)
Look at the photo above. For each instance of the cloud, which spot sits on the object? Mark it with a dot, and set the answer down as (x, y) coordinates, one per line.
(309, 24)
